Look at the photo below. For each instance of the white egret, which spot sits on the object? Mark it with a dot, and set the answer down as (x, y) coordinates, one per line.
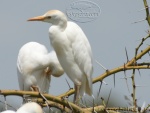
(8, 111)
(35, 65)
(30, 107)
(72, 48)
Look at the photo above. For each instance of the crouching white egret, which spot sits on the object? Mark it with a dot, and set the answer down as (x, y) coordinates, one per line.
(35, 67)
(72, 48)
(30, 107)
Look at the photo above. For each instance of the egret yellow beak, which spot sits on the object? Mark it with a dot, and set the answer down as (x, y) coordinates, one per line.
(38, 18)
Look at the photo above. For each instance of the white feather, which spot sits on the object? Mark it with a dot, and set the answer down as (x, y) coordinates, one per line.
(8, 111)
(33, 59)
(30, 107)
(73, 51)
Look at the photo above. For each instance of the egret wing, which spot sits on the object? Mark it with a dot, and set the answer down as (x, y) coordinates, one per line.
(19, 74)
(81, 50)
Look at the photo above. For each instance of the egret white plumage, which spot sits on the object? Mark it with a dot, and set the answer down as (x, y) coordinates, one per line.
(35, 67)
(30, 107)
(8, 111)
(72, 48)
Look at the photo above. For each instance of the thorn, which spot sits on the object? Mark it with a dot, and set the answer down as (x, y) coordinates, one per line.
(124, 68)
(108, 98)
(104, 82)
(148, 31)
(138, 21)
(139, 39)
(128, 100)
(99, 89)
(114, 80)
(139, 72)
(126, 54)
(68, 84)
(148, 53)
(143, 9)
(141, 86)
(101, 65)
(126, 78)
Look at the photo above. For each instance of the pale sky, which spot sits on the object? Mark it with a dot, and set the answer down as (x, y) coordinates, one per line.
(108, 35)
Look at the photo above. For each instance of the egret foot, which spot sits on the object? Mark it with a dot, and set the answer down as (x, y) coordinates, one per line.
(35, 88)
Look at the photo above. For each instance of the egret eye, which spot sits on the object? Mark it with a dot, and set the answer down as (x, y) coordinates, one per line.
(48, 17)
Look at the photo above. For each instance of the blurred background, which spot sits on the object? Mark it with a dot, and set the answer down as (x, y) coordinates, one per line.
(109, 34)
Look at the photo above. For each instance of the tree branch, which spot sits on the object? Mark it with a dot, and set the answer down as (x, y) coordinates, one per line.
(147, 12)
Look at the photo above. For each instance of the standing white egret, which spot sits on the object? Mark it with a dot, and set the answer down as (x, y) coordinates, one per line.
(30, 107)
(35, 67)
(72, 48)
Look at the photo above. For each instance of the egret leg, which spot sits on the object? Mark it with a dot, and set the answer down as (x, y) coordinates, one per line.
(76, 96)
(36, 89)
(46, 101)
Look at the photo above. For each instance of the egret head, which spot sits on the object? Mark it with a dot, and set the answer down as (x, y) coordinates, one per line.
(54, 17)
(55, 66)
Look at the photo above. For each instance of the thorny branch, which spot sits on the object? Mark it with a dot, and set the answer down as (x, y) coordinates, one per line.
(136, 52)
(57, 99)
(128, 66)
